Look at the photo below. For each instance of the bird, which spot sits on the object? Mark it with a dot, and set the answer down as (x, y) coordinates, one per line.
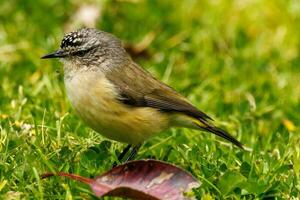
(118, 98)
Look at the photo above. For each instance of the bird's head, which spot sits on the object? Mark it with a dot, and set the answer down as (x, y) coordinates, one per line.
(88, 46)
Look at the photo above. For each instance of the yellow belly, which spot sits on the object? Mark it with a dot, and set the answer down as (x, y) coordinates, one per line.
(94, 99)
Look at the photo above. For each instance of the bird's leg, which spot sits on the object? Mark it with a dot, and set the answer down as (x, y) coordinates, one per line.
(125, 150)
(121, 156)
(133, 152)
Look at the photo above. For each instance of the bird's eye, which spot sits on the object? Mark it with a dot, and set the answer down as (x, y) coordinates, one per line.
(80, 53)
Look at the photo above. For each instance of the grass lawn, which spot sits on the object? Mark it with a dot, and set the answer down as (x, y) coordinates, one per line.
(239, 61)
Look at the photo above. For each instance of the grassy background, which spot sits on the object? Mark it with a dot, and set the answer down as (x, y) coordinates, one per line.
(236, 60)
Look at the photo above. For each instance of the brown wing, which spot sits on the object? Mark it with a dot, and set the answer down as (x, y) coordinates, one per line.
(138, 87)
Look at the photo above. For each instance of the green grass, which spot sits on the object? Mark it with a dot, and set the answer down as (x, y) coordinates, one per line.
(236, 60)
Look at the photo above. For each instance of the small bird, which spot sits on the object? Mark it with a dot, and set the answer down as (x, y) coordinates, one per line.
(118, 98)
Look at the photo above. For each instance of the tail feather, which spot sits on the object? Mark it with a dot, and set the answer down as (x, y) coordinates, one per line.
(219, 132)
(204, 125)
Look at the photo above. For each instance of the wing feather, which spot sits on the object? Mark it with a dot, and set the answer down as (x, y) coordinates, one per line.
(138, 87)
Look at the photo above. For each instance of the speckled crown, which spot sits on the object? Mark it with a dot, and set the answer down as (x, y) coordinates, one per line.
(72, 39)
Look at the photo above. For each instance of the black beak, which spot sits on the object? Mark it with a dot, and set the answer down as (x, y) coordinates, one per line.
(56, 54)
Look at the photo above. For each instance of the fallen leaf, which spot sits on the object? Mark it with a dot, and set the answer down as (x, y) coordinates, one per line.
(143, 179)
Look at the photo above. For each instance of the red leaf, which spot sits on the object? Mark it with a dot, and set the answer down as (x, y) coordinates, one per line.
(143, 179)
